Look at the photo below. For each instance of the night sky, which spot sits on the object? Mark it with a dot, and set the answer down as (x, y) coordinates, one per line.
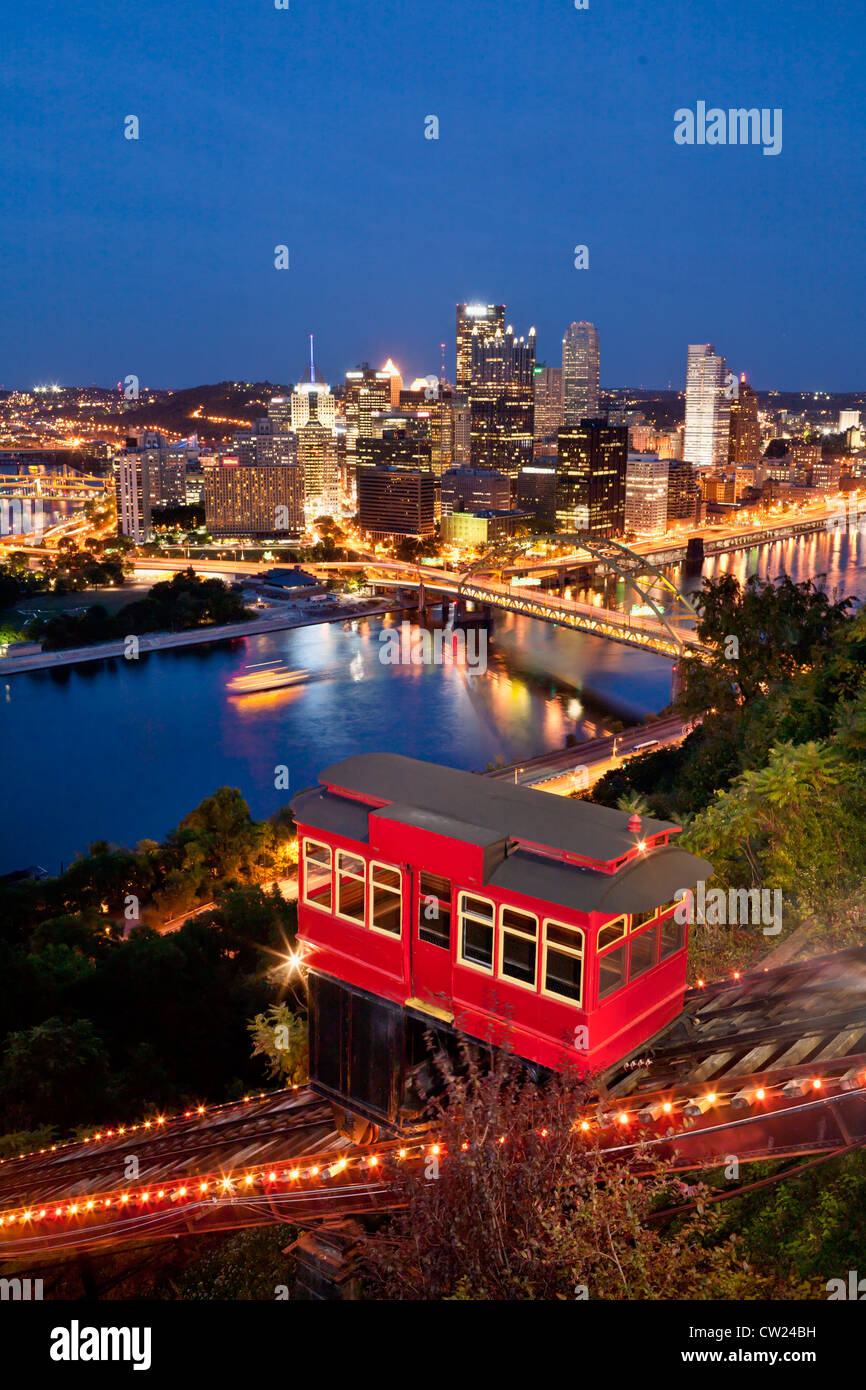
(305, 127)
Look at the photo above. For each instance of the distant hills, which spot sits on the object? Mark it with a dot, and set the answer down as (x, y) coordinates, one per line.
(209, 410)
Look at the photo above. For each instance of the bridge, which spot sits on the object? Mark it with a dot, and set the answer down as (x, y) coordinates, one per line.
(662, 621)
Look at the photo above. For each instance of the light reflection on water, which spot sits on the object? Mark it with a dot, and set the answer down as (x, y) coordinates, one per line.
(122, 750)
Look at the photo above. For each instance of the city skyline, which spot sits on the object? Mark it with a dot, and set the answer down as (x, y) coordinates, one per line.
(156, 255)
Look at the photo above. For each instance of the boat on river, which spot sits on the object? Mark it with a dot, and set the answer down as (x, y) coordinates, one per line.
(266, 675)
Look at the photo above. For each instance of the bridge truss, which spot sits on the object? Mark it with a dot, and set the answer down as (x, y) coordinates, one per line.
(671, 630)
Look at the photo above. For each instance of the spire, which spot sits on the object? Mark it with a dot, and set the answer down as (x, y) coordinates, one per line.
(312, 364)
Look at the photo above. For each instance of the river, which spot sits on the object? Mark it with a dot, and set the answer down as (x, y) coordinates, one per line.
(122, 750)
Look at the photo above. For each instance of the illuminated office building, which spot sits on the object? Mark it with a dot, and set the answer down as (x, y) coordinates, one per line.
(312, 399)
(646, 494)
(707, 409)
(395, 501)
(581, 355)
(319, 456)
(368, 396)
(547, 398)
(396, 380)
(501, 399)
(485, 319)
(252, 499)
(590, 478)
(744, 430)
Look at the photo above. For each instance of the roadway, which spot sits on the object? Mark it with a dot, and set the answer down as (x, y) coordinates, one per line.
(577, 767)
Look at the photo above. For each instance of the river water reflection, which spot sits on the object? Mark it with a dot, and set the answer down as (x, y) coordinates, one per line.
(122, 750)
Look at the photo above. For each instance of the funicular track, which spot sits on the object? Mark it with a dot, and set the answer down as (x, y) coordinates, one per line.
(771, 1065)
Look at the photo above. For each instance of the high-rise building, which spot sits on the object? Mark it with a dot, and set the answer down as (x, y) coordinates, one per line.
(590, 478)
(395, 501)
(280, 412)
(536, 488)
(146, 478)
(397, 448)
(581, 353)
(486, 319)
(312, 399)
(368, 396)
(475, 490)
(254, 499)
(744, 430)
(646, 494)
(707, 408)
(547, 391)
(684, 493)
(393, 372)
(318, 454)
(501, 397)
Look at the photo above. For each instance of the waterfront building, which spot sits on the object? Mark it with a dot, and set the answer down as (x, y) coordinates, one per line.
(684, 493)
(395, 501)
(485, 527)
(707, 409)
(646, 494)
(590, 478)
(581, 357)
(252, 499)
(146, 478)
(536, 488)
(744, 429)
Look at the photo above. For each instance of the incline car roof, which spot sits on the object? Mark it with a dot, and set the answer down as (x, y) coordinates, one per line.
(520, 813)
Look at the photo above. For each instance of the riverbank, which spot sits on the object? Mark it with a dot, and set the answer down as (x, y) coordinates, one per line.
(160, 641)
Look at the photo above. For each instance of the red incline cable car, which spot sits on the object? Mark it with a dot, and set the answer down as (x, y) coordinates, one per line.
(432, 898)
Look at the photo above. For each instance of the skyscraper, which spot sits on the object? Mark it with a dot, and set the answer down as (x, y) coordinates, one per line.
(590, 478)
(501, 394)
(486, 318)
(368, 395)
(707, 412)
(317, 453)
(393, 372)
(581, 355)
(312, 399)
(745, 431)
(646, 494)
(548, 405)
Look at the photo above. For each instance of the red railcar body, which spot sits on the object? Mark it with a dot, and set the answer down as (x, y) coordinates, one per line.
(498, 911)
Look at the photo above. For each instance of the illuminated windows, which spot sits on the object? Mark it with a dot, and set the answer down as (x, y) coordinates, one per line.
(518, 946)
(563, 961)
(317, 874)
(612, 947)
(476, 931)
(386, 899)
(434, 910)
(351, 886)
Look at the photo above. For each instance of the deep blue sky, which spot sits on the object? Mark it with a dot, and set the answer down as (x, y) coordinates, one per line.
(306, 127)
